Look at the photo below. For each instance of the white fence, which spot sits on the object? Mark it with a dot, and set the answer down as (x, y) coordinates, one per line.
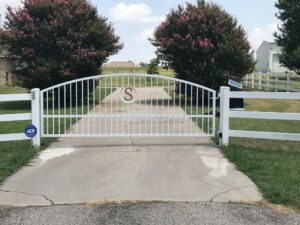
(34, 116)
(226, 114)
(273, 82)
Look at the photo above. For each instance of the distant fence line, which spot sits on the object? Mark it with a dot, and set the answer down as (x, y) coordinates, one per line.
(288, 82)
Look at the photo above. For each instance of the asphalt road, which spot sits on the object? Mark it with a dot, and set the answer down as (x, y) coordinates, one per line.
(147, 213)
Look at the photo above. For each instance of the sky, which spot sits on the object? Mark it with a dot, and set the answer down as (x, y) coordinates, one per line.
(135, 21)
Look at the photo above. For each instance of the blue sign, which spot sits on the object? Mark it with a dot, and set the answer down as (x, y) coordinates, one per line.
(30, 131)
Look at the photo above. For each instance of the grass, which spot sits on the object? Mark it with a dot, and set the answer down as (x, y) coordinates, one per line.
(274, 166)
(12, 90)
(142, 70)
(135, 81)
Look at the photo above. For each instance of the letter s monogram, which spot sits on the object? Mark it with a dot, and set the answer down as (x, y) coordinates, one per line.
(128, 94)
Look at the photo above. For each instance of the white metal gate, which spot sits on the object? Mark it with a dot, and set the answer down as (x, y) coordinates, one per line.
(129, 105)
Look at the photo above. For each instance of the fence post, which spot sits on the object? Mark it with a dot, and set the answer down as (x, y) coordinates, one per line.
(252, 80)
(288, 83)
(224, 116)
(268, 83)
(247, 77)
(36, 115)
(259, 77)
(276, 86)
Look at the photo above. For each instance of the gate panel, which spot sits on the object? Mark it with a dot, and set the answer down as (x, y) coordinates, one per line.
(126, 105)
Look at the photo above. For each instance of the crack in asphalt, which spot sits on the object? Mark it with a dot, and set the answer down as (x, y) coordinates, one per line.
(39, 195)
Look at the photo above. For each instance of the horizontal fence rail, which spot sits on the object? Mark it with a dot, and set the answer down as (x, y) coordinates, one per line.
(33, 116)
(273, 82)
(122, 105)
(226, 114)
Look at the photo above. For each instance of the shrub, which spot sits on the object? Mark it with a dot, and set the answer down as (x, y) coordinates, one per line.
(203, 44)
(152, 67)
(53, 41)
(289, 38)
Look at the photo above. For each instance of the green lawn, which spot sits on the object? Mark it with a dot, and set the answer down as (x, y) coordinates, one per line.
(273, 165)
(136, 70)
(12, 90)
(136, 82)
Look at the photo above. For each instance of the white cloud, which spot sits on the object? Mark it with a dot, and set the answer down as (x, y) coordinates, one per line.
(258, 35)
(143, 37)
(133, 13)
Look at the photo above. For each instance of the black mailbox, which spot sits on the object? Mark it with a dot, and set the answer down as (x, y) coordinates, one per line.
(236, 103)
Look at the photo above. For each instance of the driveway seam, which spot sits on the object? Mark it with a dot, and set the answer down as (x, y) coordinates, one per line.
(39, 195)
(228, 190)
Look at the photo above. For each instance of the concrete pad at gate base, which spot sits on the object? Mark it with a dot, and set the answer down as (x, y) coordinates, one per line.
(80, 170)
(166, 172)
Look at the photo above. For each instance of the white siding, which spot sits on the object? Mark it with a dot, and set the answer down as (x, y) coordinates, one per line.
(267, 58)
(262, 58)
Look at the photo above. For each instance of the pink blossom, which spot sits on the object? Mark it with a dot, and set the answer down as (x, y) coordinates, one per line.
(92, 53)
(183, 19)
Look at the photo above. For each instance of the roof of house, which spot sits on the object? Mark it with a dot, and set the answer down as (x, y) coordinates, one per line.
(268, 43)
(120, 64)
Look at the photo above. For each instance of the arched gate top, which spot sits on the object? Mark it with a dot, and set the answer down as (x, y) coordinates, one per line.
(129, 75)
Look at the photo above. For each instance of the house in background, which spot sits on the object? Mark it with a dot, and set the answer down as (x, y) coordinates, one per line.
(7, 77)
(267, 58)
(120, 64)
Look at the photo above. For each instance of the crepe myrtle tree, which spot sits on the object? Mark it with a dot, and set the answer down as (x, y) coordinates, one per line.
(203, 44)
(53, 41)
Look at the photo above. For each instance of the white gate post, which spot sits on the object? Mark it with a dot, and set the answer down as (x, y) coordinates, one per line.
(224, 115)
(36, 116)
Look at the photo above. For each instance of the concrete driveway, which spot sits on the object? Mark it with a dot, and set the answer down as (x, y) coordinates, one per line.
(168, 169)
(89, 170)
